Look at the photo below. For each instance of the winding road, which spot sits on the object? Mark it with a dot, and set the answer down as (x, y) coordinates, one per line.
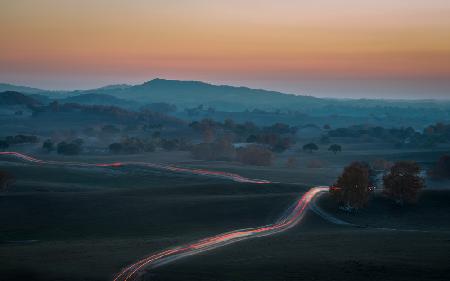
(134, 271)
(170, 168)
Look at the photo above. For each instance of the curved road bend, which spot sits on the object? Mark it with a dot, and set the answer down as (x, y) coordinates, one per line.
(134, 271)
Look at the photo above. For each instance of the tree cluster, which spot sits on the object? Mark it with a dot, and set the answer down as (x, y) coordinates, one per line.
(70, 148)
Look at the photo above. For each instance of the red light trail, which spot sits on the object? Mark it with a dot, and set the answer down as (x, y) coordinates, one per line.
(171, 168)
(135, 270)
(132, 272)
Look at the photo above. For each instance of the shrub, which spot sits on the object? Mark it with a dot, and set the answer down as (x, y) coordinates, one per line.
(48, 145)
(255, 155)
(335, 148)
(72, 148)
(6, 180)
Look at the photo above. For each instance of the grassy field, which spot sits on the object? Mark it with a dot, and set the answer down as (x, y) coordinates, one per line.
(78, 224)
(61, 223)
(316, 250)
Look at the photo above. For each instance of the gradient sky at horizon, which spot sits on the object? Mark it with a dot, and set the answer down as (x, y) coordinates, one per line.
(346, 48)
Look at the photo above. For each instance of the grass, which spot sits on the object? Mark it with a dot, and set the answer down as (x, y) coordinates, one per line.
(90, 222)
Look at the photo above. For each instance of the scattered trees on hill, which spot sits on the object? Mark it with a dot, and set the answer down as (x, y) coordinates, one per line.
(21, 139)
(132, 145)
(310, 147)
(400, 137)
(6, 180)
(352, 188)
(403, 183)
(335, 148)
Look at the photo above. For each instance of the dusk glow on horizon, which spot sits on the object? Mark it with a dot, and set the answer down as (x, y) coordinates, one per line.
(350, 48)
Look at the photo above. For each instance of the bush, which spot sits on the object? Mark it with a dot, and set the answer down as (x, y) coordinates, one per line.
(403, 182)
(72, 148)
(6, 180)
(442, 168)
(115, 148)
(221, 149)
(3, 145)
(20, 139)
(310, 147)
(255, 155)
(48, 145)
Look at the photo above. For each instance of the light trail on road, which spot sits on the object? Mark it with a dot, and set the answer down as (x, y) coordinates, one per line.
(170, 168)
(134, 271)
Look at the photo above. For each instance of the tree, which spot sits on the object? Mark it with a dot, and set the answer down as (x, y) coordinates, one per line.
(352, 188)
(310, 147)
(115, 148)
(403, 183)
(3, 145)
(169, 145)
(6, 180)
(335, 148)
(48, 146)
(72, 148)
(442, 168)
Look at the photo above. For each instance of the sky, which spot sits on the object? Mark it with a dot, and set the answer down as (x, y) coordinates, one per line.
(333, 48)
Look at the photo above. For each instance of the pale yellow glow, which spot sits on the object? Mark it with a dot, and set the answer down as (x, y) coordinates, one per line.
(322, 37)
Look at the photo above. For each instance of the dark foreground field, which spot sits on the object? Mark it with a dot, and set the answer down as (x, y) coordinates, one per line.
(86, 224)
(317, 250)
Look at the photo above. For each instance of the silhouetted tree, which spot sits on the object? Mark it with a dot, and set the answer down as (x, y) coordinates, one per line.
(72, 148)
(6, 180)
(403, 183)
(352, 190)
(335, 148)
(48, 146)
(169, 145)
(442, 168)
(310, 147)
(115, 147)
(3, 145)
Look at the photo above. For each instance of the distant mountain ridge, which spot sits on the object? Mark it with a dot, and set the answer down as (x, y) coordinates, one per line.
(188, 94)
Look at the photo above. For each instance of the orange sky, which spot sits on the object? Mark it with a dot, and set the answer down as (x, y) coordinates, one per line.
(282, 44)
